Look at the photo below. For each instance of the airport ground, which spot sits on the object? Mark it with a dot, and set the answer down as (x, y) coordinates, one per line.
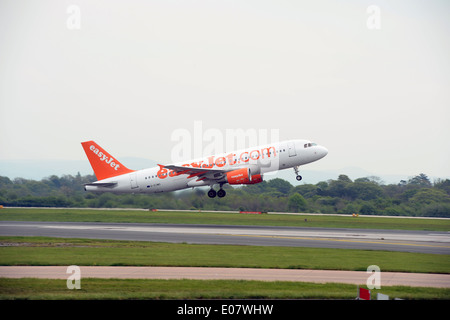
(63, 250)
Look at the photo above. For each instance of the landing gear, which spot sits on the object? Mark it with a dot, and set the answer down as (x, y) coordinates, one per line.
(212, 193)
(221, 193)
(298, 177)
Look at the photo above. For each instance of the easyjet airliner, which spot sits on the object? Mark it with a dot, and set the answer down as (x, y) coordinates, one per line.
(235, 168)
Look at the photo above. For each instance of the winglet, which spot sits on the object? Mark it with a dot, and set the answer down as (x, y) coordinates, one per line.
(103, 164)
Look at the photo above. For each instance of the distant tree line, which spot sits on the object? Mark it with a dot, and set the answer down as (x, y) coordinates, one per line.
(369, 196)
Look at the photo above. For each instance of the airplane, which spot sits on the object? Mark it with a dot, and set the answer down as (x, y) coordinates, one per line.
(246, 166)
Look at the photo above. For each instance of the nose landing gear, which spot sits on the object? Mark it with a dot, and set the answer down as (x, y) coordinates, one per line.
(298, 177)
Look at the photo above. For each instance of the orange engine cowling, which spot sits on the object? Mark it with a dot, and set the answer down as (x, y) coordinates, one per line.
(242, 176)
(257, 178)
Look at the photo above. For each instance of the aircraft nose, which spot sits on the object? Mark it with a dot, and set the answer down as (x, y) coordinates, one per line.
(322, 151)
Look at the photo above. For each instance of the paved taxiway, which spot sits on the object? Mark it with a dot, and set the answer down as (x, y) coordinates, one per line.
(368, 239)
(316, 276)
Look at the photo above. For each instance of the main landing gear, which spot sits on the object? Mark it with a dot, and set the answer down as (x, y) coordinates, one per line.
(298, 177)
(212, 193)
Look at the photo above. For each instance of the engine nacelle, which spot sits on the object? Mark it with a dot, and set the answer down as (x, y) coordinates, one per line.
(243, 176)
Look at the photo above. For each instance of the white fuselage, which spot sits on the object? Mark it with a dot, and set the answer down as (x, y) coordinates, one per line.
(262, 159)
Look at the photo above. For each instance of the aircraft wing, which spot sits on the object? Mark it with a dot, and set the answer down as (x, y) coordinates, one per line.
(208, 176)
(213, 174)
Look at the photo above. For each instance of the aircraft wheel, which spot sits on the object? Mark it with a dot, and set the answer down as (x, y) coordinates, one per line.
(212, 193)
(221, 193)
(299, 178)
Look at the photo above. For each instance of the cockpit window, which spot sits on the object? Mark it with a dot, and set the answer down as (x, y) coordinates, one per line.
(311, 144)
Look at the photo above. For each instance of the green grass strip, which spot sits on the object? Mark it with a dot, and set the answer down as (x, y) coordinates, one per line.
(85, 252)
(92, 288)
(133, 216)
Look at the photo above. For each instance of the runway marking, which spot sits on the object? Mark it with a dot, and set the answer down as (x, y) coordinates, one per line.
(340, 240)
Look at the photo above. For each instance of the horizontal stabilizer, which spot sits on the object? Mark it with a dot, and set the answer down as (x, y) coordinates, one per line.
(102, 184)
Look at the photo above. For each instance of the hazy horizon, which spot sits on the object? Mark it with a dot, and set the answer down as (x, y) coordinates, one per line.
(38, 170)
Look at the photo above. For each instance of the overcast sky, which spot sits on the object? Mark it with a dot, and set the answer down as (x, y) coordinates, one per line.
(372, 84)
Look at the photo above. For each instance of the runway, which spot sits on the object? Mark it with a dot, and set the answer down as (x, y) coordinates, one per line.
(366, 239)
(315, 276)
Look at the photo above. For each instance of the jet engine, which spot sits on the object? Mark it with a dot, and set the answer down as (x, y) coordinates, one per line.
(243, 176)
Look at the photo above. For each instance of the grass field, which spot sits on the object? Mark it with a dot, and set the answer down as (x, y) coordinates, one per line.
(64, 252)
(133, 216)
(52, 251)
(198, 289)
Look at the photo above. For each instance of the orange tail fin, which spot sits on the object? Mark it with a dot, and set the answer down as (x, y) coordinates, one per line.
(104, 165)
